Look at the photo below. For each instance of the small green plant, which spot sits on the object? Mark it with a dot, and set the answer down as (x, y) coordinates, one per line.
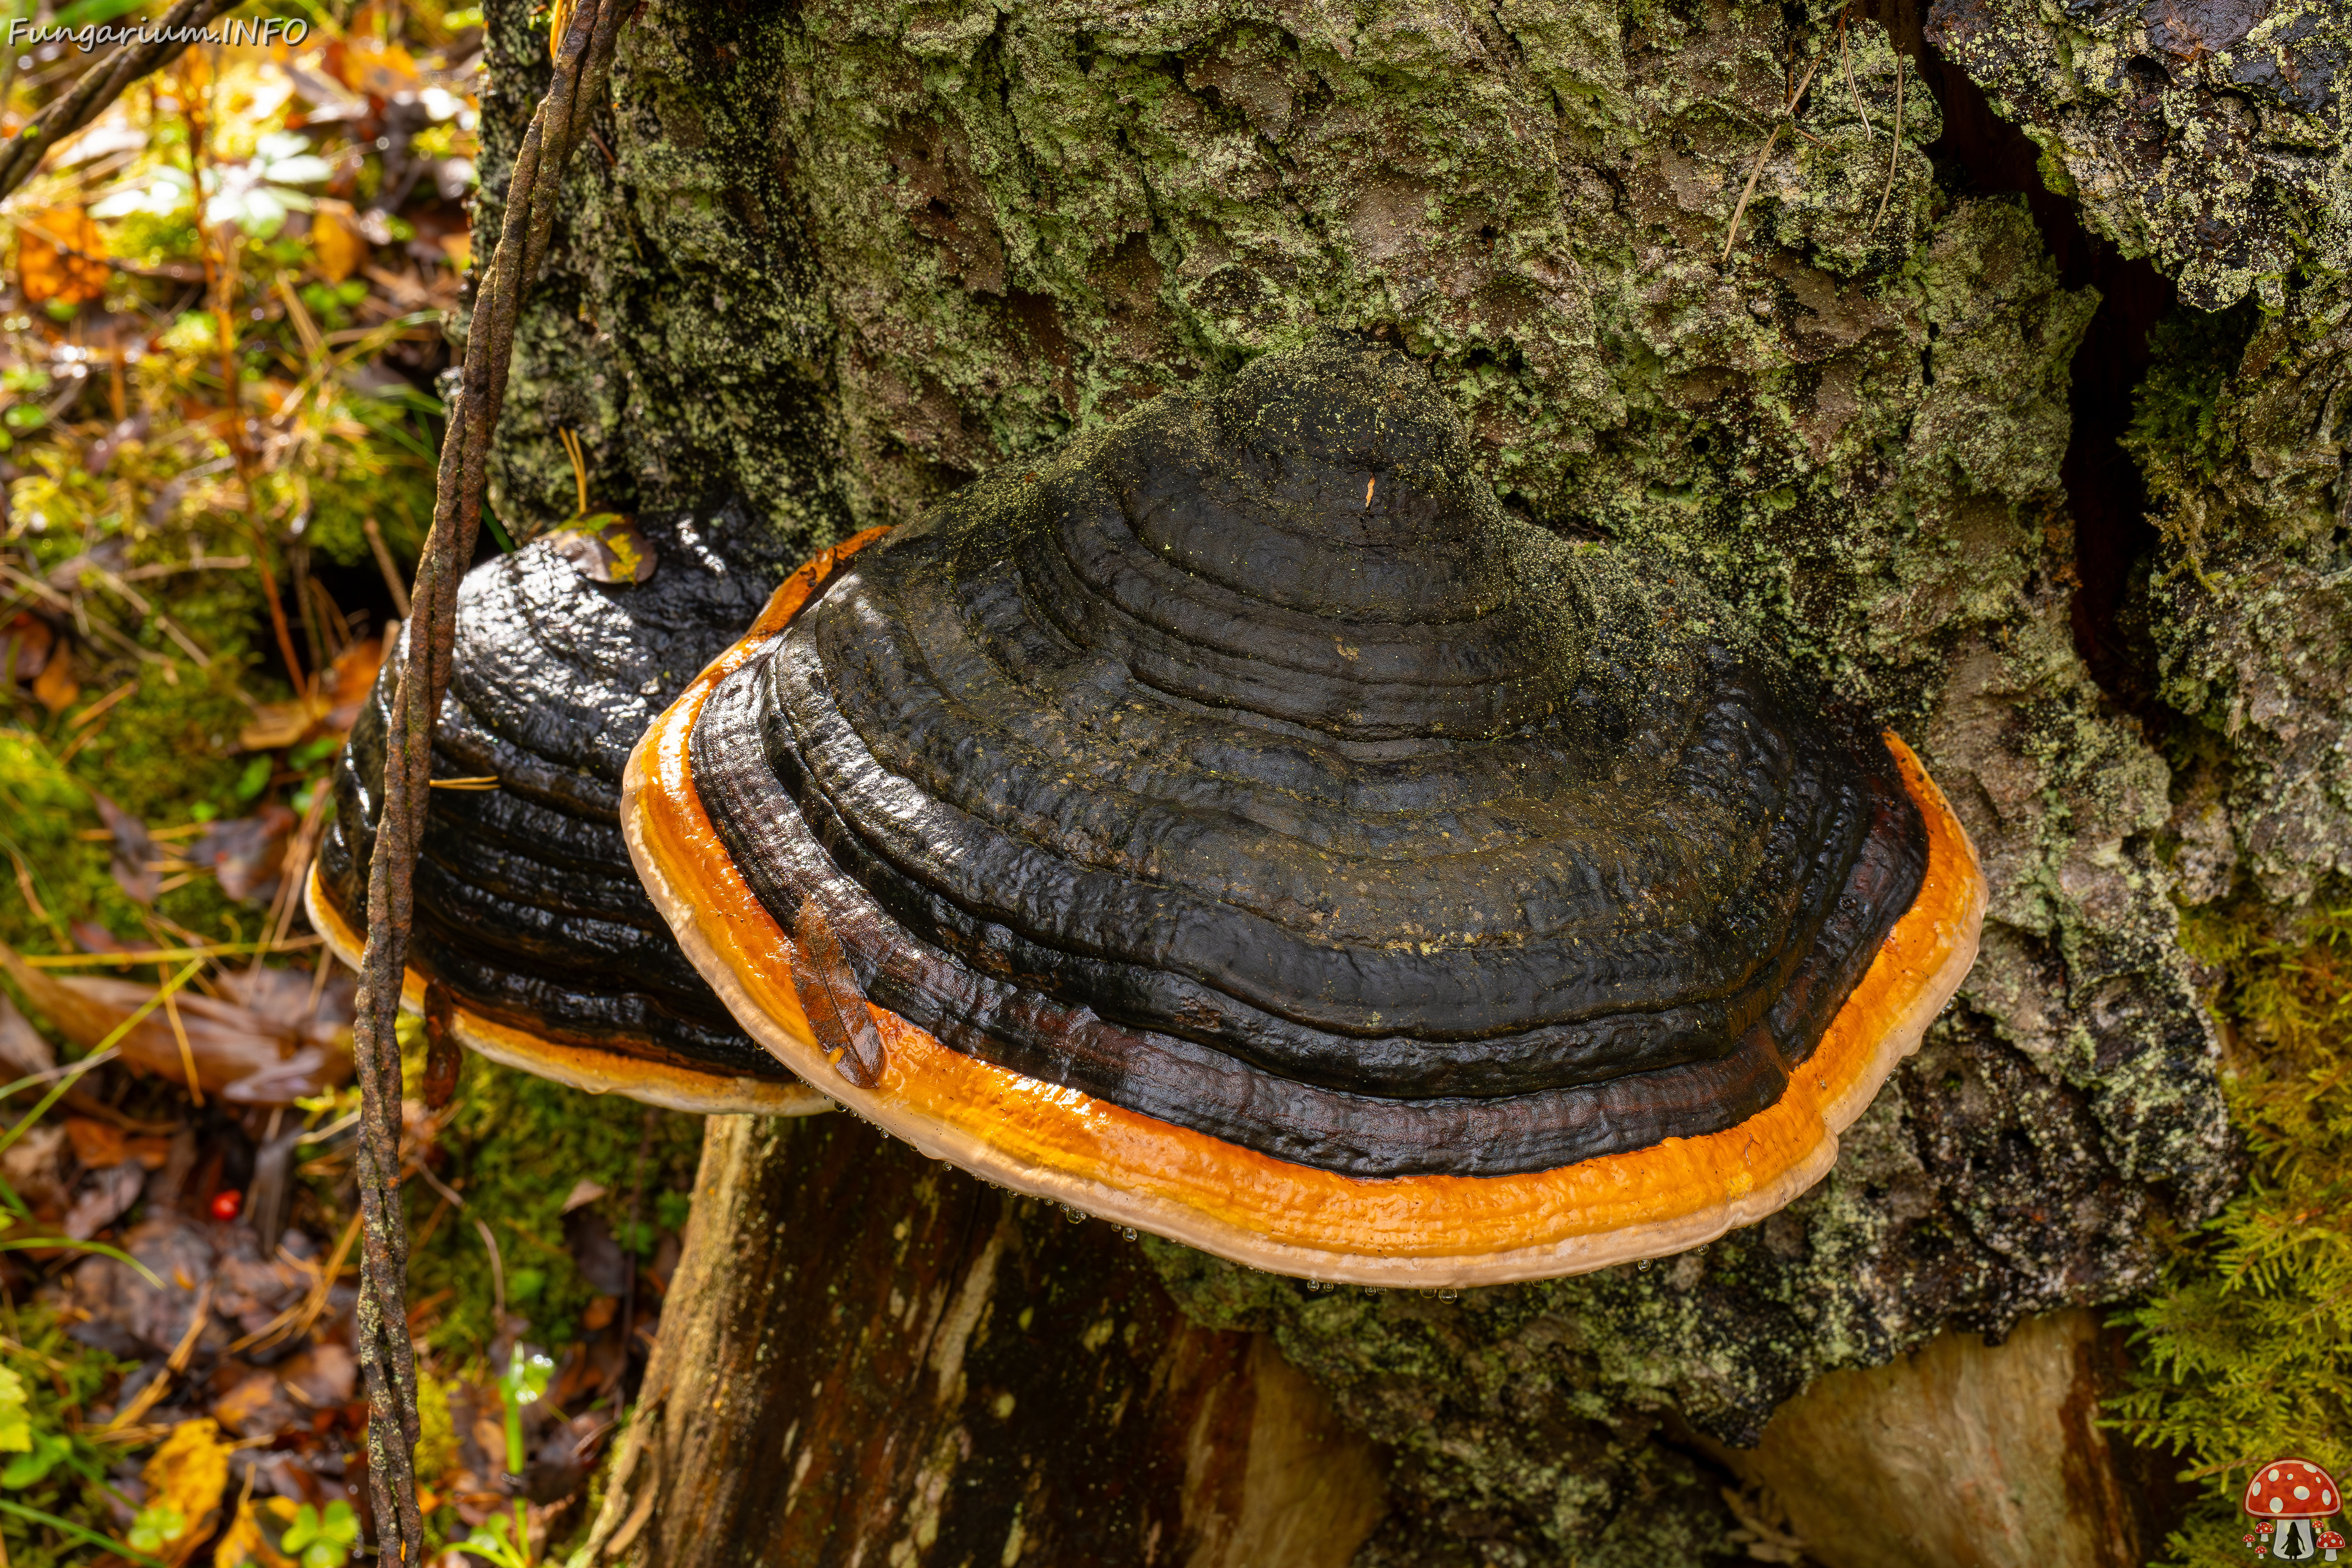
(321, 1540)
(504, 1544)
(523, 1382)
(2246, 1353)
(156, 1526)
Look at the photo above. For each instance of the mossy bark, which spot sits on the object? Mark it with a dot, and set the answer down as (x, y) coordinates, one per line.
(840, 257)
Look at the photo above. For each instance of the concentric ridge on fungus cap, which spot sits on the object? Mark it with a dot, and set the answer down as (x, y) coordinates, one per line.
(526, 905)
(1245, 766)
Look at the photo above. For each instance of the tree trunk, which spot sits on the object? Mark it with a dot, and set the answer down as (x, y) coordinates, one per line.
(1871, 388)
(874, 1358)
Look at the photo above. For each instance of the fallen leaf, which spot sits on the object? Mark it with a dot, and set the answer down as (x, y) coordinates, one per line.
(29, 639)
(97, 1146)
(34, 1169)
(383, 70)
(188, 1475)
(243, 1542)
(256, 1407)
(245, 1057)
(606, 548)
(337, 247)
(105, 1197)
(55, 688)
(323, 1375)
(349, 681)
(48, 267)
(15, 1421)
(133, 863)
(286, 997)
(22, 1052)
(247, 854)
(278, 724)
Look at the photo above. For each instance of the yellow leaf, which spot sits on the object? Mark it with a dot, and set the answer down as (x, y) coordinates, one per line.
(60, 255)
(243, 1543)
(187, 1474)
(15, 1422)
(337, 247)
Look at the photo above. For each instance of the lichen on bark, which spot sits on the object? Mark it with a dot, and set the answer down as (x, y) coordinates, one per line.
(2247, 599)
(846, 256)
(2207, 134)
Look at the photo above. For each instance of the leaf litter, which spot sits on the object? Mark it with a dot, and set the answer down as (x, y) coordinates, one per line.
(217, 422)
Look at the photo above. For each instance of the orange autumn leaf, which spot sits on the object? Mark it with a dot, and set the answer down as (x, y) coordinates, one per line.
(381, 69)
(329, 707)
(60, 255)
(337, 247)
(56, 686)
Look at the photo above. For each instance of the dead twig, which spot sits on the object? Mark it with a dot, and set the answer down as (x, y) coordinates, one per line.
(1787, 118)
(1754, 174)
(584, 52)
(1894, 152)
(391, 570)
(1846, 57)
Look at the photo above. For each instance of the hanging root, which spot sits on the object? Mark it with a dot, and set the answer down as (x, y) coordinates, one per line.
(584, 54)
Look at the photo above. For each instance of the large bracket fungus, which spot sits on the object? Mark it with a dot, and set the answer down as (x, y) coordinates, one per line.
(526, 906)
(1239, 827)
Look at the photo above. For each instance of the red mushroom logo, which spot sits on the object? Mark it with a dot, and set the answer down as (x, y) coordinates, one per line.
(2290, 1497)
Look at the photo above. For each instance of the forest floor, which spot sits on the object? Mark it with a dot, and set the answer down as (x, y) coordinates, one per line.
(193, 592)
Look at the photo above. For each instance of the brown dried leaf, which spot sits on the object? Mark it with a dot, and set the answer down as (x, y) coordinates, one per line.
(606, 548)
(25, 645)
(22, 1052)
(246, 1057)
(246, 853)
(105, 1196)
(133, 862)
(47, 265)
(95, 1144)
(277, 724)
(831, 998)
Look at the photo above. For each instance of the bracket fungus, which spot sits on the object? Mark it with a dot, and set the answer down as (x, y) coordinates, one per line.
(527, 909)
(1239, 827)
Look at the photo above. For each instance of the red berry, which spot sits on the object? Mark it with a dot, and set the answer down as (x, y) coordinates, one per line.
(226, 1202)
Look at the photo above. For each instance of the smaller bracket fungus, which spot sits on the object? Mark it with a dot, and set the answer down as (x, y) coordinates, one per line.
(1237, 826)
(527, 909)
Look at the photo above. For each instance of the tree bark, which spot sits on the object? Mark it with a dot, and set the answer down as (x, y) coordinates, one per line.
(838, 257)
(870, 1357)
